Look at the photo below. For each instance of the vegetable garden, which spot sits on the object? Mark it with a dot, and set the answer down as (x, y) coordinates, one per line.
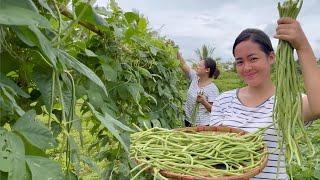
(76, 81)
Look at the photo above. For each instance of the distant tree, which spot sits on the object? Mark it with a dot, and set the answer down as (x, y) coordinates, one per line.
(205, 51)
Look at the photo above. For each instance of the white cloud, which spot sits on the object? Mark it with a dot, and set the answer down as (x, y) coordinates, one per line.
(192, 23)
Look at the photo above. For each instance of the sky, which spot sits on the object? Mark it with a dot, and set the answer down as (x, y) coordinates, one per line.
(191, 23)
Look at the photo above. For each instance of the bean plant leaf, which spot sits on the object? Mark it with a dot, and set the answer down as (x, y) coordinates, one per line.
(81, 68)
(35, 132)
(13, 15)
(26, 4)
(89, 14)
(109, 122)
(44, 168)
(44, 82)
(12, 101)
(12, 156)
(131, 16)
(4, 81)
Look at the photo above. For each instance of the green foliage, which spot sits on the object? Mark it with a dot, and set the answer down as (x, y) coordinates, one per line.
(228, 80)
(39, 167)
(36, 133)
(81, 73)
(73, 85)
(310, 168)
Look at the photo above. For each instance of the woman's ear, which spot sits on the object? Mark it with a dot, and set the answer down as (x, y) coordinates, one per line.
(271, 58)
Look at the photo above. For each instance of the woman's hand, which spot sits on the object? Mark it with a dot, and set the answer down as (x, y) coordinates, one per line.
(185, 68)
(201, 99)
(179, 56)
(290, 30)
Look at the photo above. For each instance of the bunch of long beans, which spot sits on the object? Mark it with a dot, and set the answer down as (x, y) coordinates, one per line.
(196, 154)
(288, 102)
(195, 110)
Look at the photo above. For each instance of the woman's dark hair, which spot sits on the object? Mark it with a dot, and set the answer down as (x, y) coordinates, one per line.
(212, 65)
(256, 36)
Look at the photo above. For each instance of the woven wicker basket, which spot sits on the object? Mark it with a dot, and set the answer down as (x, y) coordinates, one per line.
(214, 130)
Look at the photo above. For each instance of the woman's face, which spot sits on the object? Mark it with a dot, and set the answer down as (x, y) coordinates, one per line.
(252, 64)
(201, 68)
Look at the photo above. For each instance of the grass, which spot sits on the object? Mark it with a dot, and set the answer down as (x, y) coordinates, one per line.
(228, 80)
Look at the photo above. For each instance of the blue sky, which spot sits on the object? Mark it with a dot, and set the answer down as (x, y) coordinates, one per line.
(191, 23)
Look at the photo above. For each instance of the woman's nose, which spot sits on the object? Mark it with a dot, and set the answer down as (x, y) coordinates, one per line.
(247, 66)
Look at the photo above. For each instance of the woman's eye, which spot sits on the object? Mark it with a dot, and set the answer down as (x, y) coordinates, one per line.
(253, 59)
(238, 63)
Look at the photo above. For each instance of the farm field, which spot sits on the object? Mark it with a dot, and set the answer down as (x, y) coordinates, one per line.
(76, 81)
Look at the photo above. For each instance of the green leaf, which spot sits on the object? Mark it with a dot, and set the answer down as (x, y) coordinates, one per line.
(155, 123)
(75, 154)
(4, 81)
(134, 90)
(18, 168)
(43, 168)
(8, 63)
(32, 36)
(44, 44)
(131, 16)
(123, 92)
(150, 97)
(13, 102)
(95, 96)
(77, 125)
(3, 175)
(17, 16)
(26, 36)
(144, 72)
(108, 123)
(81, 68)
(45, 5)
(89, 53)
(317, 171)
(130, 32)
(12, 156)
(44, 82)
(89, 14)
(35, 132)
(116, 122)
(142, 24)
(91, 164)
(153, 50)
(56, 128)
(144, 122)
(109, 72)
(32, 150)
(5, 163)
(26, 4)
(66, 93)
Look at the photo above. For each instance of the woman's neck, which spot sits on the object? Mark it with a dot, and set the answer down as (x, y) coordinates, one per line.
(203, 81)
(255, 96)
(265, 89)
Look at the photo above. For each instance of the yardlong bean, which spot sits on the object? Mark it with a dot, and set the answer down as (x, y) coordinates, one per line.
(192, 153)
(287, 113)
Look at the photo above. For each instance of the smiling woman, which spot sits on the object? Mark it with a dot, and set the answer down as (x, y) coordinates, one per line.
(251, 107)
(253, 66)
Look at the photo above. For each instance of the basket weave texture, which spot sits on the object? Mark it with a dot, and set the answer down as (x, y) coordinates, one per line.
(213, 130)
